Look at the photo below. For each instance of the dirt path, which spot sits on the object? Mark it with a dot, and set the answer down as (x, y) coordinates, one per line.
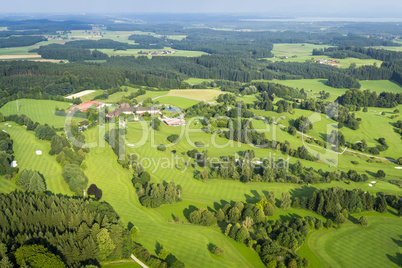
(138, 261)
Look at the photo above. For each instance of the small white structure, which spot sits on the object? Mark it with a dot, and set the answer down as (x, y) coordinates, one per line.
(14, 164)
(4, 131)
(370, 185)
(38, 152)
(130, 145)
(398, 167)
(9, 125)
(373, 182)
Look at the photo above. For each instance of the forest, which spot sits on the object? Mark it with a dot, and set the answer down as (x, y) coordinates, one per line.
(57, 231)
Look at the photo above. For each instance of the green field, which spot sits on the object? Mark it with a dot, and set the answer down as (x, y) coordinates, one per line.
(381, 86)
(378, 244)
(25, 145)
(303, 52)
(41, 111)
(188, 242)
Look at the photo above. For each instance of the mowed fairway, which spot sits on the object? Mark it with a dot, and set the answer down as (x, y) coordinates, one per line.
(187, 243)
(25, 147)
(41, 111)
(198, 94)
(377, 245)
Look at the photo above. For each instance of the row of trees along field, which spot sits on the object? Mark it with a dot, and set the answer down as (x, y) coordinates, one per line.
(359, 52)
(6, 153)
(20, 41)
(247, 168)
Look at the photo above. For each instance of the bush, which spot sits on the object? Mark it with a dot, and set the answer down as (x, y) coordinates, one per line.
(174, 138)
(161, 147)
(217, 251)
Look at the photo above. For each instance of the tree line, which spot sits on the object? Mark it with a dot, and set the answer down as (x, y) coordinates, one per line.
(21, 41)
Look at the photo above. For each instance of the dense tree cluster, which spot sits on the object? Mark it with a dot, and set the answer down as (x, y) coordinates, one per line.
(75, 178)
(31, 180)
(331, 202)
(339, 80)
(303, 124)
(70, 53)
(153, 195)
(359, 52)
(248, 223)
(357, 98)
(6, 153)
(50, 230)
(20, 41)
(150, 42)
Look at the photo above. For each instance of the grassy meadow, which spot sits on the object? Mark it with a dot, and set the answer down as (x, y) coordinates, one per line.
(41, 111)
(376, 245)
(303, 52)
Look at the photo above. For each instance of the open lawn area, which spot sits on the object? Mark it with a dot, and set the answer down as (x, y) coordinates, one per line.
(381, 86)
(377, 245)
(41, 111)
(25, 145)
(198, 94)
(311, 86)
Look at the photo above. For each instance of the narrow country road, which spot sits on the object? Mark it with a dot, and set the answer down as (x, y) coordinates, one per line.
(138, 261)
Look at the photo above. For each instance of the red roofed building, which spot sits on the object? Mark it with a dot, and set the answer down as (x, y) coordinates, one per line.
(174, 122)
(83, 107)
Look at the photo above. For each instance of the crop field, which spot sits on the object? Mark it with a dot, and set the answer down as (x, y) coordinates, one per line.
(197, 81)
(41, 111)
(180, 102)
(198, 94)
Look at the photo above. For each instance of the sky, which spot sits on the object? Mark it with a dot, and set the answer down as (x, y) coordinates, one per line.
(300, 8)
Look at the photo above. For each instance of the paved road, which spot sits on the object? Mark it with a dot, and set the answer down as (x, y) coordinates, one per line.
(138, 261)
